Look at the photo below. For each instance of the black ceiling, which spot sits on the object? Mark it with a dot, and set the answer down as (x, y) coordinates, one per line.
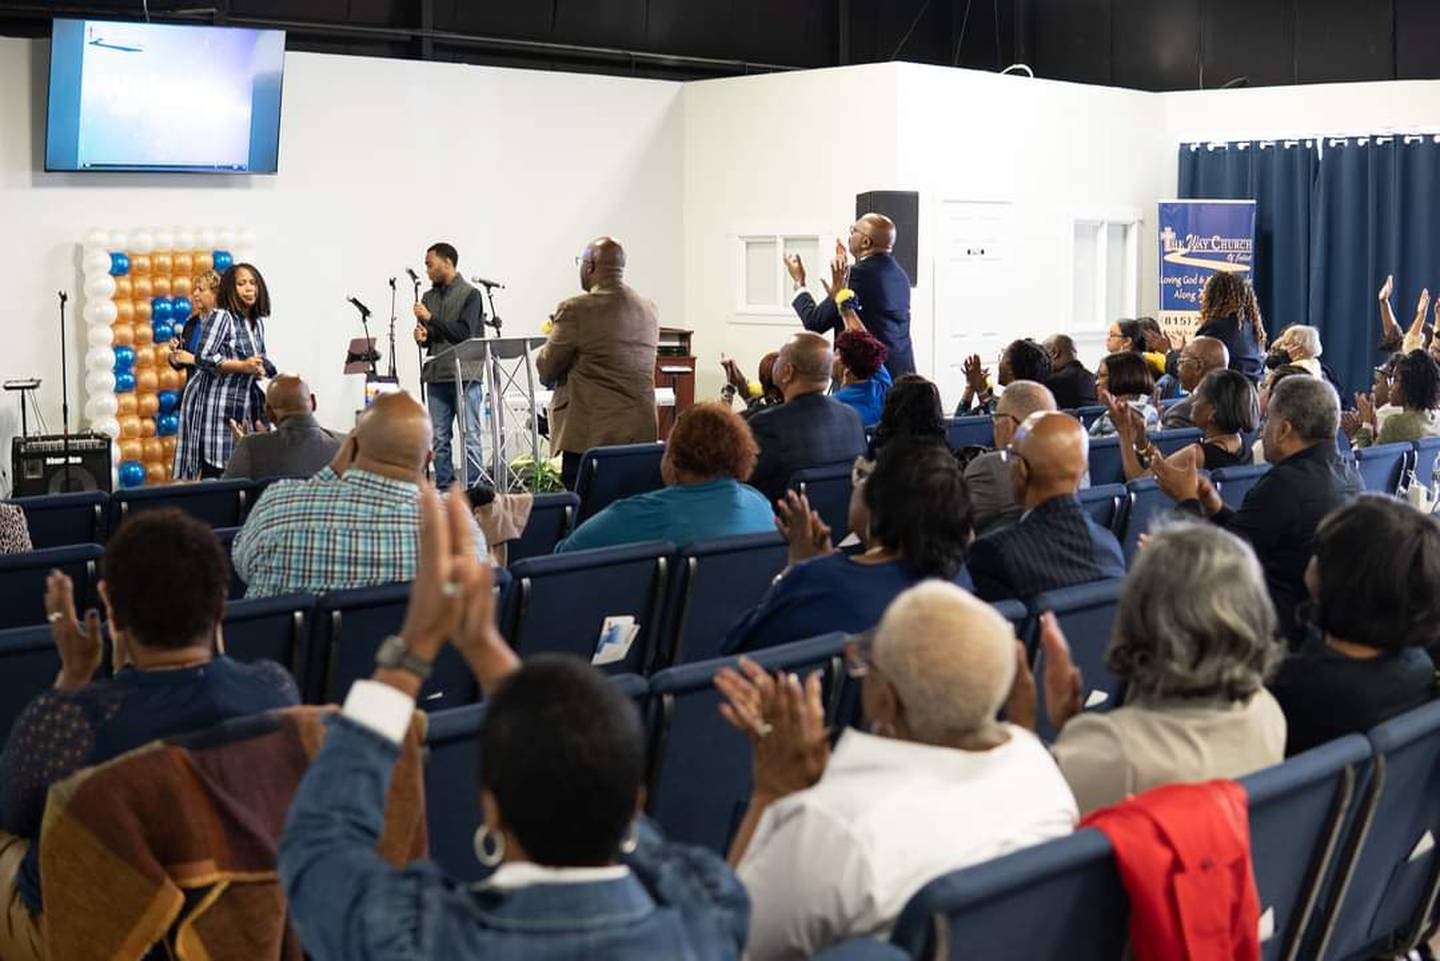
(1144, 44)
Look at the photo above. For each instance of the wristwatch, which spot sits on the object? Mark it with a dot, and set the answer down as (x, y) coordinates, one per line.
(394, 654)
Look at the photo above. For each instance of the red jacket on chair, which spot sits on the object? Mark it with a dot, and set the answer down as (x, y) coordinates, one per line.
(1183, 851)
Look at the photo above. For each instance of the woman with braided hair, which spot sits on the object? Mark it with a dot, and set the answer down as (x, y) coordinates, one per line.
(1229, 312)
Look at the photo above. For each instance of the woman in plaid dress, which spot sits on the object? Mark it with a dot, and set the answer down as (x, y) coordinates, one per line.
(229, 360)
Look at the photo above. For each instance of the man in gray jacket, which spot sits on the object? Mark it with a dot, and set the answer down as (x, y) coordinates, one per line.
(992, 492)
(450, 313)
(297, 447)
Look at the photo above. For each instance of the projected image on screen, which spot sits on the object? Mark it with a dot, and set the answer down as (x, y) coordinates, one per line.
(137, 96)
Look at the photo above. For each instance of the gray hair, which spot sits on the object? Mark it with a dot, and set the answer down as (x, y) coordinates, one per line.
(949, 657)
(1195, 618)
(1310, 404)
(1021, 398)
(1306, 338)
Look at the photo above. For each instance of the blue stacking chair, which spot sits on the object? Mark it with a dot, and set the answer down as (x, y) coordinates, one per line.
(219, 503)
(349, 627)
(1422, 465)
(609, 473)
(716, 582)
(59, 520)
(29, 663)
(972, 431)
(1147, 503)
(828, 490)
(1233, 483)
(1087, 615)
(1297, 812)
(700, 767)
(226, 537)
(22, 581)
(1106, 466)
(452, 781)
(1389, 874)
(862, 949)
(272, 629)
(1383, 467)
(552, 517)
(1060, 899)
(559, 604)
(1089, 415)
(1105, 504)
(1169, 441)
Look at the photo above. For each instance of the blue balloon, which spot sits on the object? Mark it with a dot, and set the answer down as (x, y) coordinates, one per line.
(167, 424)
(132, 473)
(222, 260)
(163, 332)
(124, 383)
(161, 309)
(180, 308)
(119, 264)
(124, 359)
(169, 400)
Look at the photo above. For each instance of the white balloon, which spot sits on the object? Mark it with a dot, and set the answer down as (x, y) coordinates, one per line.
(143, 242)
(101, 313)
(164, 240)
(101, 406)
(100, 335)
(205, 239)
(97, 238)
(108, 426)
(99, 382)
(119, 240)
(244, 255)
(99, 358)
(225, 239)
(184, 240)
(96, 261)
(99, 287)
(245, 239)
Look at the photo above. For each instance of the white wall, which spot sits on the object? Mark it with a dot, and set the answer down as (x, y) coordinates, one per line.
(1274, 113)
(378, 159)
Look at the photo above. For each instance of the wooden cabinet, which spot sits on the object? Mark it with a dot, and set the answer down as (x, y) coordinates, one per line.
(674, 376)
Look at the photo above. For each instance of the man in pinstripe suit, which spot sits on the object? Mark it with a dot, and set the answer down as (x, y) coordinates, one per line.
(1056, 543)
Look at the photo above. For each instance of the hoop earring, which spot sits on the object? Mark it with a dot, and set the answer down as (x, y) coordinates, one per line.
(489, 846)
(632, 839)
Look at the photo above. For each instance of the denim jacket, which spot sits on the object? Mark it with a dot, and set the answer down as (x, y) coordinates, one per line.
(348, 904)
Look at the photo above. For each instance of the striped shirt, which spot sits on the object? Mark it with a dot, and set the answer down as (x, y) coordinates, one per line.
(332, 532)
(212, 399)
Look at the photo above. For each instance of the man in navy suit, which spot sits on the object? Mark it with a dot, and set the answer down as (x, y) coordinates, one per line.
(1056, 543)
(809, 429)
(877, 284)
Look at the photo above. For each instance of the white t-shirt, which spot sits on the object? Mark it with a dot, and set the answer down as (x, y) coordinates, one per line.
(841, 859)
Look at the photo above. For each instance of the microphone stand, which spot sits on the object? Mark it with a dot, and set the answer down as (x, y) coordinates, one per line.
(420, 351)
(369, 344)
(392, 332)
(495, 320)
(64, 394)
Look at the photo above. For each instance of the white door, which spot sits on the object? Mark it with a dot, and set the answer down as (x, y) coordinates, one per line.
(974, 307)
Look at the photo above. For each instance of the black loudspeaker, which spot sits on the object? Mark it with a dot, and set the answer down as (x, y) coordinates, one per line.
(903, 207)
(38, 464)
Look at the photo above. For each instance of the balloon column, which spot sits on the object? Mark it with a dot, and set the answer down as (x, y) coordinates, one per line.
(137, 297)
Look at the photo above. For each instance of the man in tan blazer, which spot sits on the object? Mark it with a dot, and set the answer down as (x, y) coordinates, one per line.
(600, 358)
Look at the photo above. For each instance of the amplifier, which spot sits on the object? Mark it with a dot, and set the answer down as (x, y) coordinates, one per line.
(38, 464)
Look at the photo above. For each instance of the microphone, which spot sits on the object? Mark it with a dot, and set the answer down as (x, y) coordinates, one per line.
(359, 306)
(487, 283)
(414, 277)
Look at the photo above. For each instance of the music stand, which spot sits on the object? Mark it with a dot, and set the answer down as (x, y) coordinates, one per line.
(509, 381)
(360, 357)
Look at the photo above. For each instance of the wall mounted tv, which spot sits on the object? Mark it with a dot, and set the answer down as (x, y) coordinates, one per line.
(163, 97)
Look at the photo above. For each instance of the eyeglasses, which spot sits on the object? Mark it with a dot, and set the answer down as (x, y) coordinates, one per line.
(998, 416)
(857, 653)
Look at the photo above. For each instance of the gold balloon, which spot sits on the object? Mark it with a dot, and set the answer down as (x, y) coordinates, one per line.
(139, 264)
(129, 426)
(169, 378)
(142, 314)
(168, 444)
(160, 283)
(169, 470)
(154, 450)
(180, 286)
(143, 291)
(127, 408)
(124, 311)
(123, 334)
(147, 427)
(131, 449)
(162, 354)
(123, 287)
(161, 263)
(185, 263)
(149, 405)
(144, 334)
(204, 262)
(147, 383)
(155, 472)
(145, 357)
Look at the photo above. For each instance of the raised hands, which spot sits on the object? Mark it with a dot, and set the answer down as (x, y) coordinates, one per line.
(1365, 410)
(734, 376)
(785, 722)
(807, 535)
(1064, 685)
(795, 268)
(80, 646)
(977, 375)
(839, 271)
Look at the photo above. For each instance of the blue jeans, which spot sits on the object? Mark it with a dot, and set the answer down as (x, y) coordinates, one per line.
(440, 398)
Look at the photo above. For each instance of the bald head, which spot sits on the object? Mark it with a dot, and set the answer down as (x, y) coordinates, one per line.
(288, 396)
(1020, 399)
(392, 438)
(602, 263)
(950, 659)
(803, 366)
(1061, 349)
(1200, 356)
(872, 234)
(1054, 451)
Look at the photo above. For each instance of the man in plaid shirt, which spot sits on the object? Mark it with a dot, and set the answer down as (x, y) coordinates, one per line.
(356, 523)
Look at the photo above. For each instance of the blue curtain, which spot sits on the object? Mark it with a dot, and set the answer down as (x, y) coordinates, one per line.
(1280, 178)
(1377, 212)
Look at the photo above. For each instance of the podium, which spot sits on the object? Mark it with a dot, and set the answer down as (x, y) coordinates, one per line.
(509, 382)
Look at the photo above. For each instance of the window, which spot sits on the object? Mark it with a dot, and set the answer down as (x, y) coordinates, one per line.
(765, 289)
(1106, 272)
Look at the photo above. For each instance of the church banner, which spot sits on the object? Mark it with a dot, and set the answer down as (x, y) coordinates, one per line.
(1197, 239)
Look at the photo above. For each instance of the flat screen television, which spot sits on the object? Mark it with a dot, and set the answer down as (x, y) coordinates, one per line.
(163, 97)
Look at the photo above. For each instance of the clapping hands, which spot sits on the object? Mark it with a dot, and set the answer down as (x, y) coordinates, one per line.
(785, 722)
(802, 528)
